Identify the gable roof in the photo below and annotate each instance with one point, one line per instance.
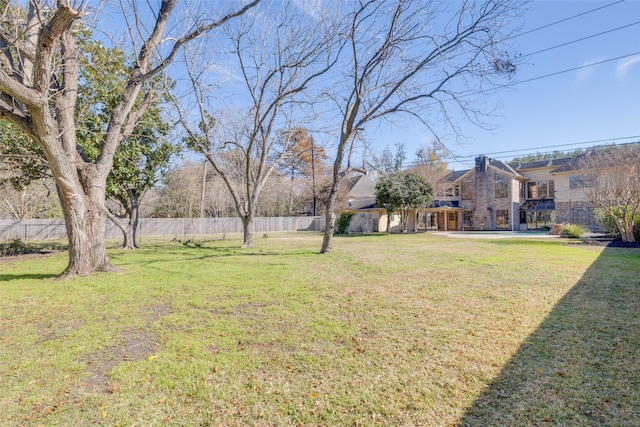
(454, 176)
(358, 204)
(360, 186)
(599, 156)
(544, 163)
(496, 164)
(499, 164)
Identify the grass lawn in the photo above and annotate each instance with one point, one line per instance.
(399, 330)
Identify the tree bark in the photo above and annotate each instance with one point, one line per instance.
(132, 226)
(329, 229)
(129, 227)
(330, 216)
(626, 230)
(85, 220)
(248, 230)
(404, 217)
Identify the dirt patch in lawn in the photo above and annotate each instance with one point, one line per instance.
(132, 345)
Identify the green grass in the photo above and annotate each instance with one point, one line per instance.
(386, 330)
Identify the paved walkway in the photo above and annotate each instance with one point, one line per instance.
(495, 234)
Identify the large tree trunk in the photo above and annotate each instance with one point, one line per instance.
(404, 217)
(626, 232)
(128, 224)
(330, 217)
(128, 231)
(130, 241)
(248, 230)
(82, 198)
(329, 229)
(85, 221)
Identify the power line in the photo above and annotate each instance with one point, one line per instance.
(581, 39)
(595, 141)
(468, 158)
(569, 18)
(575, 68)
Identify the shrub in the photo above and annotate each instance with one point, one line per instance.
(608, 224)
(14, 247)
(344, 221)
(573, 231)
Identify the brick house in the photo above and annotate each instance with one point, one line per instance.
(494, 195)
(497, 196)
(486, 197)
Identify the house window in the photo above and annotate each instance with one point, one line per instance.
(540, 189)
(467, 191)
(502, 219)
(582, 180)
(502, 186)
(582, 216)
(467, 220)
(539, 219)
(543, 189)
(452, 191)
(523, 190)
(430, 220)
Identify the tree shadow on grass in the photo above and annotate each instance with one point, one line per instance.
(581, 367)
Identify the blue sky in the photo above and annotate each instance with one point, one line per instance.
(587, 106)
(564, 111)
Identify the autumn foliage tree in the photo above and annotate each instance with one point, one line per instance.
(305, 159)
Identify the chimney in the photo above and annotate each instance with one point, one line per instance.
(482, 163)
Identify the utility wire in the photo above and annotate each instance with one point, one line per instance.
(573, 69)
(595, 141)
(581, 39)
(569, 18)
(468, 158)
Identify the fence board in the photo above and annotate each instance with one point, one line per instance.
(54, 229)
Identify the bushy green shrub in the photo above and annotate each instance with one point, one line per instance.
(573, 231)
(344, 221)
(14, 247)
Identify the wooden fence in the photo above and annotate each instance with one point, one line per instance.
(182, 228)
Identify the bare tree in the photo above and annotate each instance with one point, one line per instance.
(280, 51)
(39, 77)
(179, 195)
(615, 184)
(36, 200)
(430, 163)
(421, 59)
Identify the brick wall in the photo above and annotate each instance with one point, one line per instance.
(563, 210)
(485, 204)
